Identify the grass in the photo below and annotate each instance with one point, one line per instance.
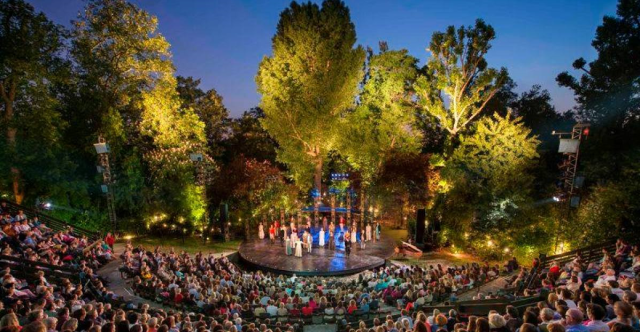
(191, 245)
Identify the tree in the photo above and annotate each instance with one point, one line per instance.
(308, 82)
(30, 64)
(246, 136)
(607, 94)
(456, 83)
(127, 92)
(209, 108)
(491, 170)
(498, 153)
(384, 121)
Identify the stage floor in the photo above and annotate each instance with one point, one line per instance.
(262, 255)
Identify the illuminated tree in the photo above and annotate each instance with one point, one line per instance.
(383, 122)
(457, 84)
(128, 93)
(208, 106)
(308, 82)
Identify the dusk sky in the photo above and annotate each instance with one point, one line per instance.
(223, 41)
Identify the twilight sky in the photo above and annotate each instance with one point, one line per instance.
(223, 41)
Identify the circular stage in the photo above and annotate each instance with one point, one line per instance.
(262, 255)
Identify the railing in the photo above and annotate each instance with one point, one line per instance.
(589, 254)
(51, 222)
(27, 269)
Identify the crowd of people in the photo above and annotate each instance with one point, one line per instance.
(208, 292)
(214, 286)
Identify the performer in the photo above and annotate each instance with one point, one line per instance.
(272, 233)
(261, 231)
(354, 235)
(321, 238)
(369, 232)
(363, 242)
(288, 250)
(332, 239)
(378, 230)
(341, 225)
(324, 223)
(298, 247)
(282, 233)
(347, 243)
(304, 239)
(309, 242)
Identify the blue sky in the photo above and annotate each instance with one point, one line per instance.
(222, 41)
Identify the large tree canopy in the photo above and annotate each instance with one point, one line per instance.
(457, 84)
(310, 79)
(385, 117)
(30, 65)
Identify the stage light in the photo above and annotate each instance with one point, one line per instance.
(556, 199)
(490, 243)
(506, 250)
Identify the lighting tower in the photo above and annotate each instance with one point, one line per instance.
(102, 149)
(570, 148)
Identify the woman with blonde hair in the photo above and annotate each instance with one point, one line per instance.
(497, 323)
(9, 320)
(70, 325)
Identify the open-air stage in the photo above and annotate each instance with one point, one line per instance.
(262, 255)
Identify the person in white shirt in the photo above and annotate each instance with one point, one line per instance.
(596, 314)
(272, 309)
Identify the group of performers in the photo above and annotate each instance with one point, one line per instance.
(295, 243)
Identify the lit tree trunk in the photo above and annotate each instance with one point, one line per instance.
(363, 210)
(8, 97)
(317, 174)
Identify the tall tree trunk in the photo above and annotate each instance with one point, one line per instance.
(8, 98)
(363, 211)
(317, 174)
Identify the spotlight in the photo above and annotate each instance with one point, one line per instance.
(556, 199)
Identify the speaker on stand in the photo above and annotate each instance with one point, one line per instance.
(224, 221)
(421, 216)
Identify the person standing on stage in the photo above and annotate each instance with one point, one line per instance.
(354, 234)
(347, 243)
(332, 232)
(282, 232)
(288, 250)
(298, 245)
(378, 230)
(309, 242)
(321, 238)
(368, 232)
(363, 243)
(272, 233)
(261, 231)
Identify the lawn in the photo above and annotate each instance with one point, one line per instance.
(190, 245)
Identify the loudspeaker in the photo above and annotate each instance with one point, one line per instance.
(420, 226)
(436, 225)
(224, 215)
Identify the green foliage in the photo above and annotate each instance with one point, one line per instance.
(498, 153)
(310, 79)
(126, 80)
(384, 120)
(456, 84)
(31, 66)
